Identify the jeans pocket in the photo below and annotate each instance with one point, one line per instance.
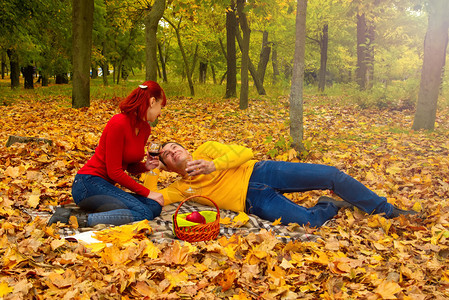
(79, 190)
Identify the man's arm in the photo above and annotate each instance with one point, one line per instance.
(170, 194)
(225, 156)
(212, 156)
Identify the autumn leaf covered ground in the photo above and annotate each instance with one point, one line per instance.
(357, 256)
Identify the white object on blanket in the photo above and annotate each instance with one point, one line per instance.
(83, 237)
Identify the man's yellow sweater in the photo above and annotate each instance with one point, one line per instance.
(227, 186)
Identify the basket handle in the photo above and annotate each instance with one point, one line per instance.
(189, 198)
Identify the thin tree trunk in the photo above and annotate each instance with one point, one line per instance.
(296, 93)
(365, 51)
(274, 63)
(245, 54)
(163, 60)
(94, 70)
(114, 73)
(252, 70)
(183, 53)
(105, 73)
(323, 64)
(202, 72)
(104, 65)
(214, 79)
(119, 72)
(264, 57)
(361, 52)
(435, 45)
(195, 59)
(231, 61)
(3, 64)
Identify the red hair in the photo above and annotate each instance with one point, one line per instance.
(138, 101)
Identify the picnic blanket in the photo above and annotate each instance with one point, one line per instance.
(163, 225)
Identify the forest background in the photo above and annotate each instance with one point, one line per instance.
(361, 126)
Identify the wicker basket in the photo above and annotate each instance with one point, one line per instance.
(200, 232)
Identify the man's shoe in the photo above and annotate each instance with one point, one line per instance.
(63, 214)
(397, 212)
(339, 204)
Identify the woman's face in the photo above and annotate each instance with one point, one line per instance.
(154, 110)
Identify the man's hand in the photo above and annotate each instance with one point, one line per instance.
(156, 197)
(200, 166)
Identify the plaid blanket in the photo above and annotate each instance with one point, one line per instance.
(163, 225)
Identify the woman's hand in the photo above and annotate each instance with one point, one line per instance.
(200, 166)
(156, 197)
(152, 162)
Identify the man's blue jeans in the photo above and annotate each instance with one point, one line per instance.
(110, 204)
(271, 179)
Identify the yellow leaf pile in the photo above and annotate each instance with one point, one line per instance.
(356, 257)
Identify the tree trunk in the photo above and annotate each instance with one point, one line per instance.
(323, 64)
(214, 79)
(264, 57)
(62, 78)
(119, 72)
(28, 73)
(3, 64)
(435, 45)
(195, 58)
(82, 19)
(296, 93)
(231, 61)
(183, 53)
(14, 68)
(245, 54)
(223, 77)
(12, 139)
(274, 63)
(361, 52)
(202, 72)
(94, 71)
(105, 73)
(151, 21)
(104, 65)
(163, 60)
(44, 79)
(114, 72)
(252, 70)
(365, 52)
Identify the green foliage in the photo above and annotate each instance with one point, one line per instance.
(399, 94)
(282, 145)
(40, 31)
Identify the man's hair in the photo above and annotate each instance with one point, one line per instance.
(162, 147)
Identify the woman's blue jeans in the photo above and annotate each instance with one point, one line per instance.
(271, 179)
(110, 204)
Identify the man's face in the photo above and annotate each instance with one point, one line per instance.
(175, 158)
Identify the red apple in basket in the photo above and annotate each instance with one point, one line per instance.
(196, 217)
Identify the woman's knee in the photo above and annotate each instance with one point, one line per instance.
(148, 212)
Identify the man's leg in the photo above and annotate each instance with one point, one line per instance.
(269, 204)
(287, 177)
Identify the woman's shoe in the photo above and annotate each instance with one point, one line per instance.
(63, 215)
